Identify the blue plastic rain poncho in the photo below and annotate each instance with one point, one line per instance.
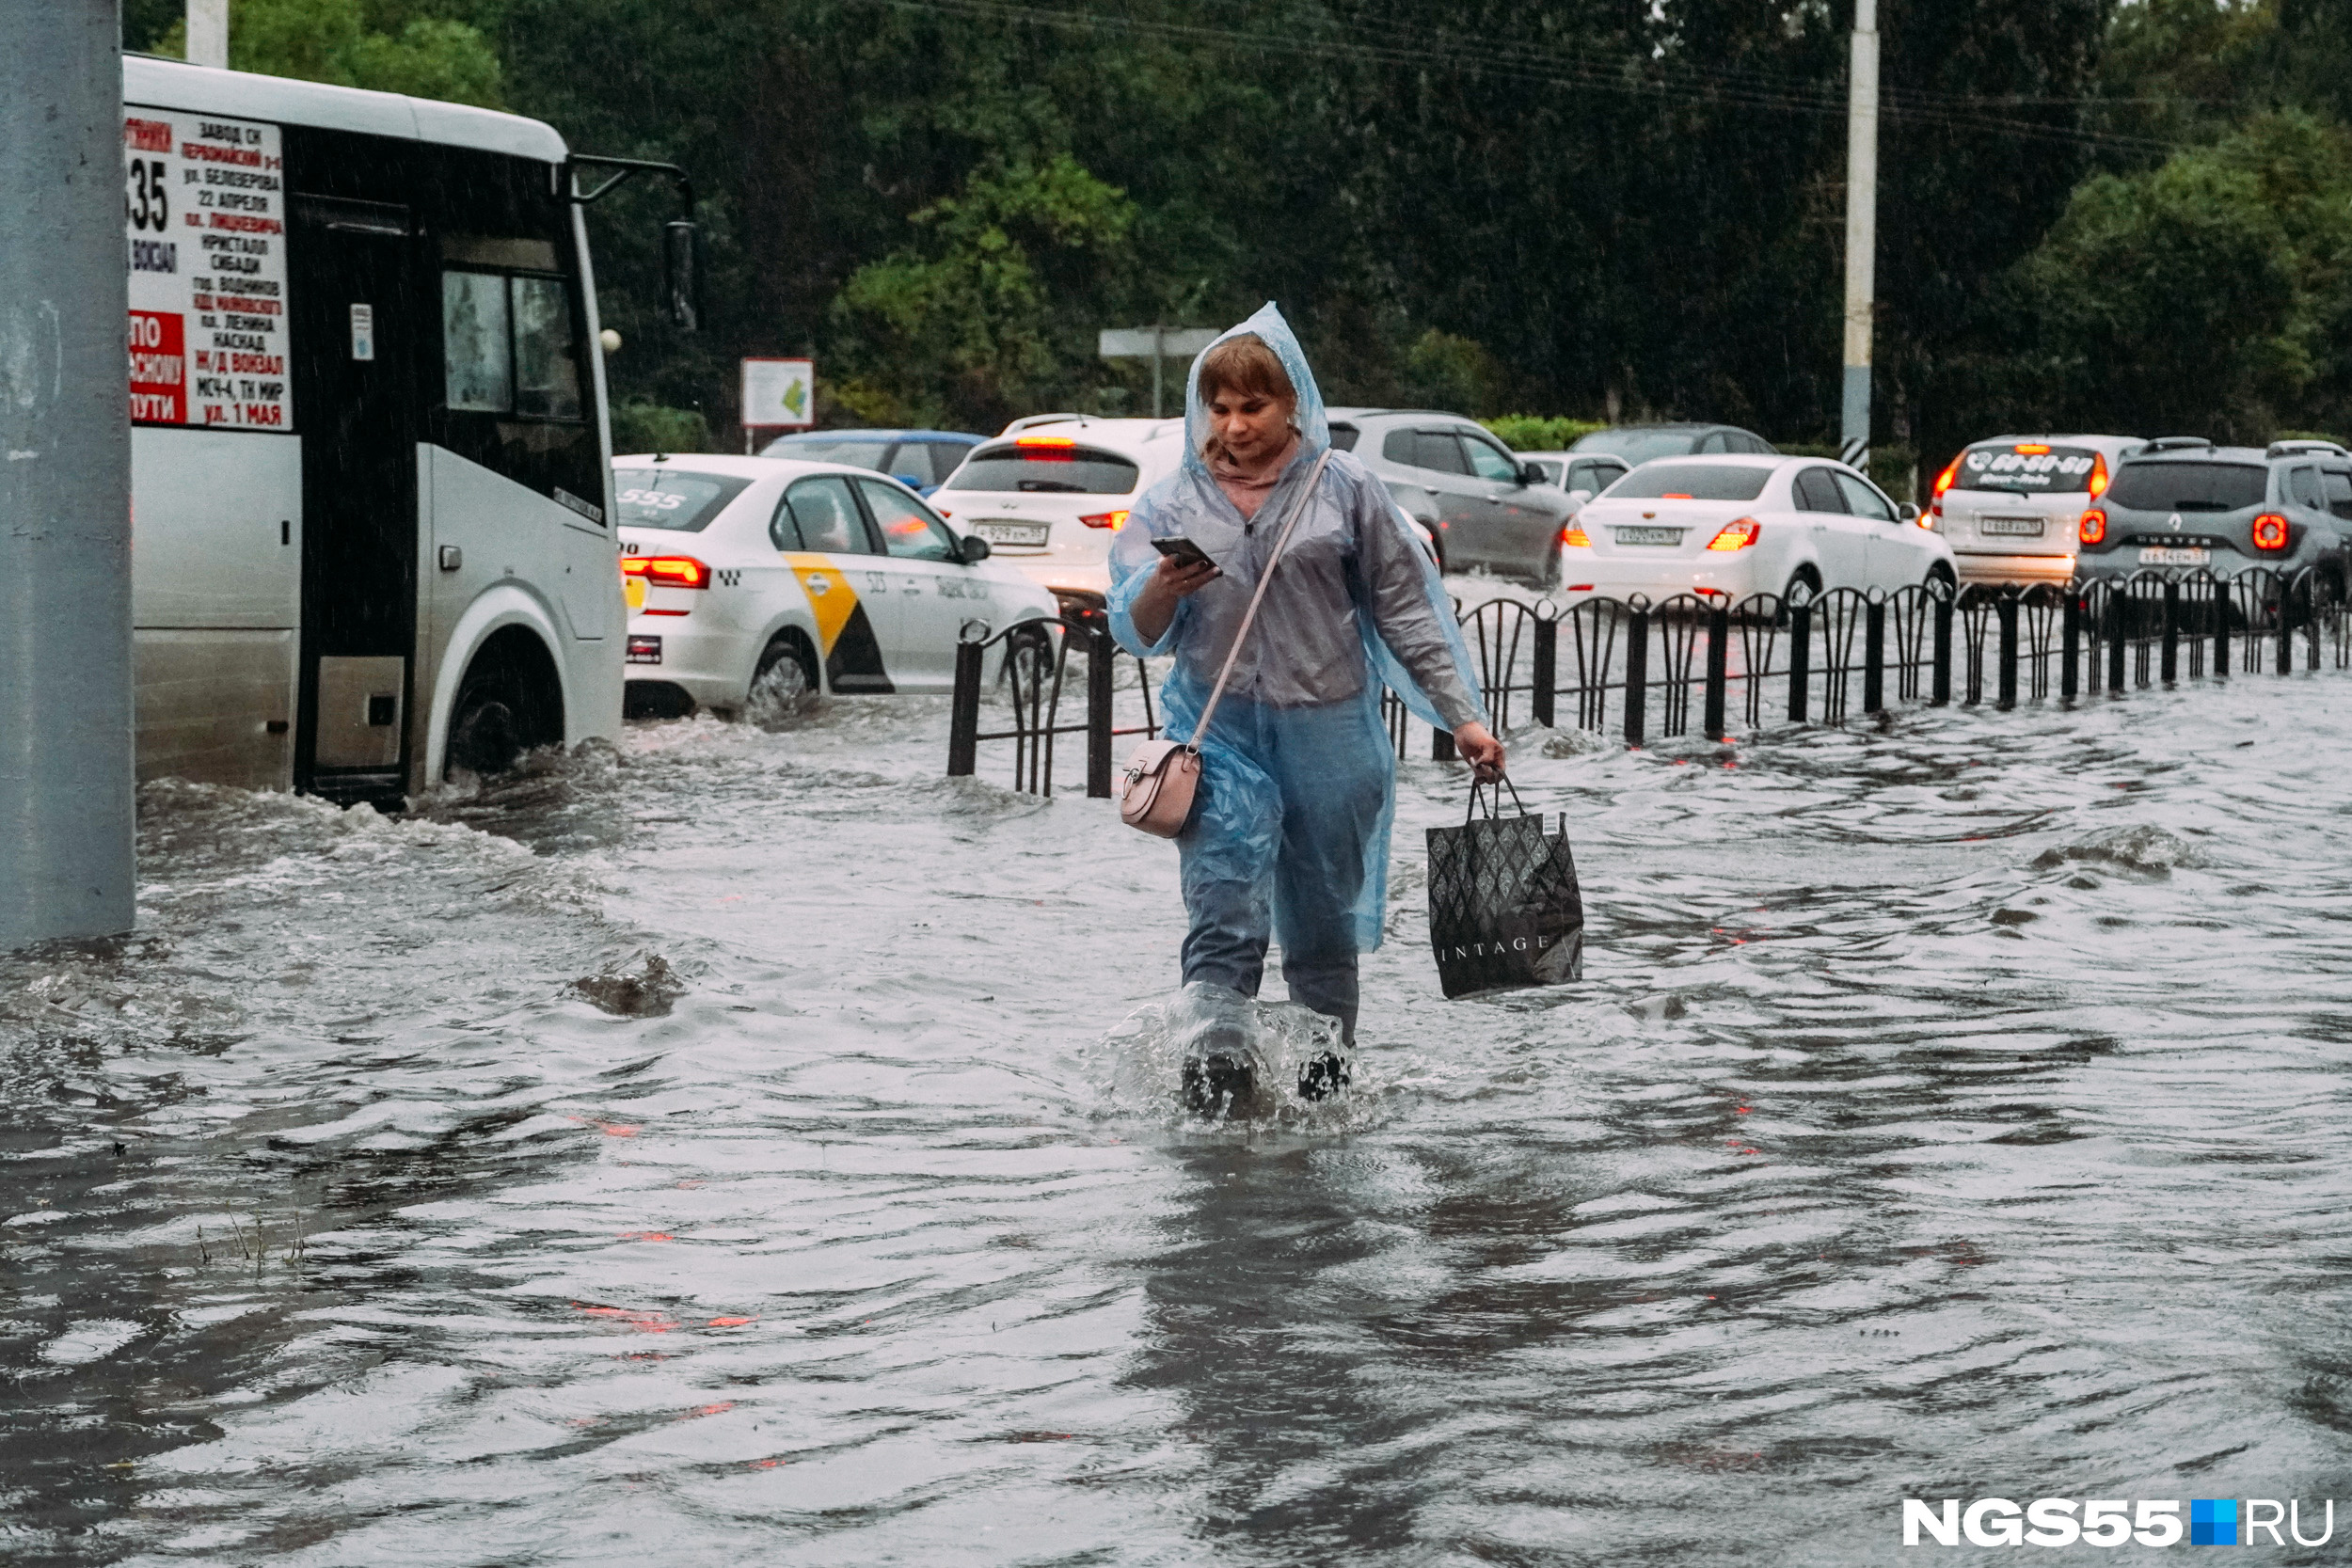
(1290, 837)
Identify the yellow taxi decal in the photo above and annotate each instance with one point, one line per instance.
(633, 590)
(829, 593)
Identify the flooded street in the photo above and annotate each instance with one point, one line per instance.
(1955, 1109)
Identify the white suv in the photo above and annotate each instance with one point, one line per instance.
(2008, 506)
(1052, 491)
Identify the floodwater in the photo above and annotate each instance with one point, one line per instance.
(1955, 1108)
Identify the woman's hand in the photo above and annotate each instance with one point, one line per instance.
(1478, 747)
(1172, 581)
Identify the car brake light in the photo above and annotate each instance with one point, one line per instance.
(1675, 496)
(2270, 532)
(1735, 535)
(1112, 520)
(2098, 475)
(667, 571)
(2030, 448)
(1047, 448)
(942, 512)
(2092, 530)
(1944, 482)
(1577, 536)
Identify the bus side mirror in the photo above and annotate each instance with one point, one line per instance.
(680, 277)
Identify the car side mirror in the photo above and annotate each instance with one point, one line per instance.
(1908, 511)
(1579, 497)
(1533, 473)
(974, 549)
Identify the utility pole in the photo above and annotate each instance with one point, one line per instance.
(1862, 222)
(67, 811)
(208, 33)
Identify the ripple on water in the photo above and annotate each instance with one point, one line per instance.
(1949, 1100)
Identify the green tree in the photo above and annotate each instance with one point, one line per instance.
(974, 323)
(331, 40)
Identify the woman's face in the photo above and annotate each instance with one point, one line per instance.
(1251, 426)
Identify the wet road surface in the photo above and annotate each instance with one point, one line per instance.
(1955, 1109)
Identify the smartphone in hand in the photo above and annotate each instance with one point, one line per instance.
(1183, 552)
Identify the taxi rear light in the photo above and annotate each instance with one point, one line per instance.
(666, 571)
(1735, 535)
(2098, 474)
(2270, 532)
(2030, 448)
(2092, 530)
(1112, 520)
(1577, 536)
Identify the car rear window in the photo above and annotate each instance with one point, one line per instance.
(2188, 486)
(863, 452)
(1053, 467)
(1697, 481)
(2027, 468)
(1639, 445)
(664, 498)
(1344, 436)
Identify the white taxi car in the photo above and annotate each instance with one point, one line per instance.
(753, 581)
(2008, 506)
(1741, 524)
(1053, 490)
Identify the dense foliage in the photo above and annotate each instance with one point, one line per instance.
(2126, 216)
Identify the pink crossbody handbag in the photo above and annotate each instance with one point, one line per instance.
(1163, 776)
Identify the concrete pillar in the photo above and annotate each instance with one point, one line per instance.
(66, 771)
(1862, 219)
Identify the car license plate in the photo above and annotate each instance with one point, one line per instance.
(1012, 533)
(2174, 556)
(2024, 528)
(1649, 535)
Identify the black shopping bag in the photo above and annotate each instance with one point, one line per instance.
(1503, 907)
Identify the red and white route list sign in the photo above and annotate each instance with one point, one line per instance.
(205, 217)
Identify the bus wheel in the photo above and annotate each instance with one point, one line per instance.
(509, 702)
(784, 687)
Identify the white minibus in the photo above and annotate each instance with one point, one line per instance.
(372, 520)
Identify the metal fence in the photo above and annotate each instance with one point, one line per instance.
(1032, 666)
(1638, 669)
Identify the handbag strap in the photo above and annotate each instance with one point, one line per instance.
(1298, 510)
(1494, 801)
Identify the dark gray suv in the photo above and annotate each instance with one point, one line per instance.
(1481, 503)
(2184, 502)
(1638, 443)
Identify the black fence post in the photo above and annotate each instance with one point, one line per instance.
(1718, 666)
(964, 721)
(2170, 662)
(1874, 656)
(1941, 692)
(2005, 610)
(1441, 745)
(2119, 605)
(1800, 659)
(1547, 670)
(2220, 627)
(2286, 639)
(1636, 675)
(2070, 643)
(1102, 660)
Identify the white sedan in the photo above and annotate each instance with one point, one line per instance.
(1740, 524)
(754, 581)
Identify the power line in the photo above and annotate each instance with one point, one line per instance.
(1667, 82)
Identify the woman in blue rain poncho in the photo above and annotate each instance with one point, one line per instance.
(1289, 836)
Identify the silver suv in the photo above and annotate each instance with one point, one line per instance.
(2008, 506)
(1483, 504)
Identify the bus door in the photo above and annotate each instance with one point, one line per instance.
(355, 346)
